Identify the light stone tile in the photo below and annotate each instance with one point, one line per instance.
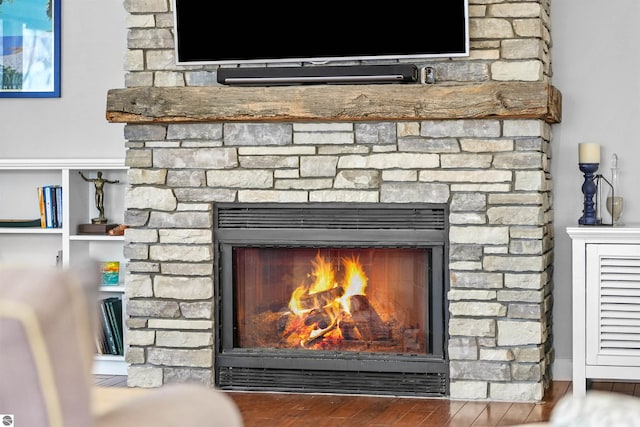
(464, 390)
(183, 288)
(144, 376)
(180, 339)
(499, 354)
(323, 127)
(518, 333)
(178, 324)
(518, 392)
(177, 357)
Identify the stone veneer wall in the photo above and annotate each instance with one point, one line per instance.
(493, 173)
(510, 41)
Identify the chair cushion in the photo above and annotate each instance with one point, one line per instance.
(46, 329)
(174, 405)
(597, 409)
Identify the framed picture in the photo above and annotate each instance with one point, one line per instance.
(30, 48)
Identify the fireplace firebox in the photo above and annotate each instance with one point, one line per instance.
(331, 297)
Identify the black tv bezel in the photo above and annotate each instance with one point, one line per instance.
(437, 42)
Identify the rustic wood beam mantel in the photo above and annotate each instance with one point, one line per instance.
(329, 103)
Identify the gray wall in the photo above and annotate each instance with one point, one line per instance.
(595, 65)
(94, 37)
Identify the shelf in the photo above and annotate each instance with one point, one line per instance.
(112, 288)
(96, 237)
(308, 103)
(19, 181)
(29, 230)
(59, 164)
(109, 365)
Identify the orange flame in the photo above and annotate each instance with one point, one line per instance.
(294, 302)
(311, 296)
(355, 281)
(324, 275)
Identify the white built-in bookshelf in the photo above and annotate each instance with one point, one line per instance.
(19, 180)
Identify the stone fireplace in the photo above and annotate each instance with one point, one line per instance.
(477, 142)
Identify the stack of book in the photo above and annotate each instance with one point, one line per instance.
(50, 201)
(109, 338)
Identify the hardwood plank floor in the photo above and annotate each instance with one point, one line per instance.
(289, 409)
(110, 380)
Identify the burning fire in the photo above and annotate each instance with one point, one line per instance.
(321, 308)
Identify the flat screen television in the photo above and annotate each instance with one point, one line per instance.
(237, 32)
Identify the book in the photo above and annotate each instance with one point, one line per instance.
(48, 206)
(12, 223)
(110, 272)
(101, 341)
(43, 218)
(106, 327)
(117, 309)
(114, 310)
(58, 193)
(54, 209)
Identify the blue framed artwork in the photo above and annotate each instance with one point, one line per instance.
(30, 48)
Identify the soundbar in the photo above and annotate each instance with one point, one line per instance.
(340, 74)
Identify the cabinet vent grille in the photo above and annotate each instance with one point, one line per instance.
(620, 305)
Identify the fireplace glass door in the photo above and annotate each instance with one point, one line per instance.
(334, 299)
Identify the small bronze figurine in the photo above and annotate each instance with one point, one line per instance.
(99, 183)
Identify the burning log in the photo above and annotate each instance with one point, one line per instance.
(349, 330)
(320, 299)
(309, 326)
(281, 323)
(367, 320)
(318, 333)
(318, 318)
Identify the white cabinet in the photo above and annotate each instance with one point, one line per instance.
(606, 304)
(19, 180)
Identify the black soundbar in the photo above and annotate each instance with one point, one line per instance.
(344, 74)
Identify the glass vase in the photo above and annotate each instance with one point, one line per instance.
(615, 201)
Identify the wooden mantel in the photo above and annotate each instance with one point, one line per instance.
(330, 103)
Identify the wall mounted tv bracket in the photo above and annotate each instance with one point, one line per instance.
(364, 74)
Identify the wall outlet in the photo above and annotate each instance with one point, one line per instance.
(427, 75)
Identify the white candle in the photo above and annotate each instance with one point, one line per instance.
(588, 152)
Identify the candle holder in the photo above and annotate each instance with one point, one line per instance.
(589, 188)
(612, 195)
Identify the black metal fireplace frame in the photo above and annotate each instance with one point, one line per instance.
(342, 225)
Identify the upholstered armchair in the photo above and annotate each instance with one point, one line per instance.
(47, 324)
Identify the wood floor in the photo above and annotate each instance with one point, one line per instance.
(294, 410)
